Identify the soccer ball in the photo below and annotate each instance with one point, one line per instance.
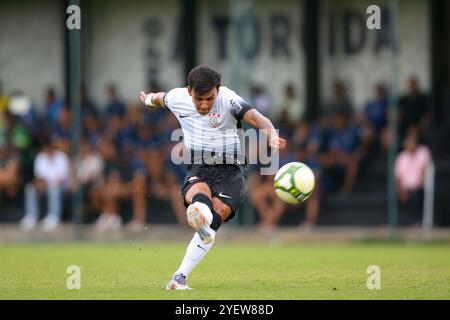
(294, 182)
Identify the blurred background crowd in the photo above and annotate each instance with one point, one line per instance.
(124, 155)
(356, 105)
(125, 151)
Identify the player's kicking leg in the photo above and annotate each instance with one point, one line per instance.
(205, 221)
(199, 217)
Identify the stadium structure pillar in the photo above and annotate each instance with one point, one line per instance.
(312, 58)
(393, 118)
(241, 68)
(440, 62)
(189, 27)
(73, 89)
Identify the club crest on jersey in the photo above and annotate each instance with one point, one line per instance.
(214, 119)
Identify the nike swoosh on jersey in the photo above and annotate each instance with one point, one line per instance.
(183, 116)
(224, 195)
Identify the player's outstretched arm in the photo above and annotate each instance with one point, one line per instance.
(153, 99)
(256, 119)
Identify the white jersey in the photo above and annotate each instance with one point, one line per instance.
(213, 134)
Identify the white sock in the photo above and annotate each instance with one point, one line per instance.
(195, 252)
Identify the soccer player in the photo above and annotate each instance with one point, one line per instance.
(216, 182)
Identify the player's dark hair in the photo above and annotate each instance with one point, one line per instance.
(202, 79)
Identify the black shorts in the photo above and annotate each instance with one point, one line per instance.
(228, 183)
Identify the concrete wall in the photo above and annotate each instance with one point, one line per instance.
(131, 42)
(367, 58)
(266, 49)
(32, 47)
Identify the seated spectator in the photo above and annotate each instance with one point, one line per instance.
(114, 106)
(4, 99)
(340, 102)
(262, 193)
(308, 144)
(112, 189)
(165, 180)
(375, 117)
(133, 119)
(137, 190)
(143, 144)
(263, 197)
(116, 131)
(61, 131)
(155, 149)
(18, 133)
(260, 99)
(22, 109)
(92, 129)
(52, 174)
(88, 175)
(290, 111)
(10, 178)
(53, 106)
(86, 104)
(112, 192)
(376, 110)
(410, 170)
(4, 102)
(124, 179)
(346, 150)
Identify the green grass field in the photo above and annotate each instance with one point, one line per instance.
(141, 271)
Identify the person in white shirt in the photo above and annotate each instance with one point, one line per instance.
(51, 175)
(88, 176)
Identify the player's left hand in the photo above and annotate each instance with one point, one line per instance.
(277, 143)
(143, 95)
(282, 143)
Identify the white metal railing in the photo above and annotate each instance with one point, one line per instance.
(428, 202)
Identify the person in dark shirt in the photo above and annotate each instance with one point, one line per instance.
(87, 106)
(115, 106)
(374, 119)
(413, 109)
(376, 109)
(346, 150)
(340, 102)
(53, 106)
